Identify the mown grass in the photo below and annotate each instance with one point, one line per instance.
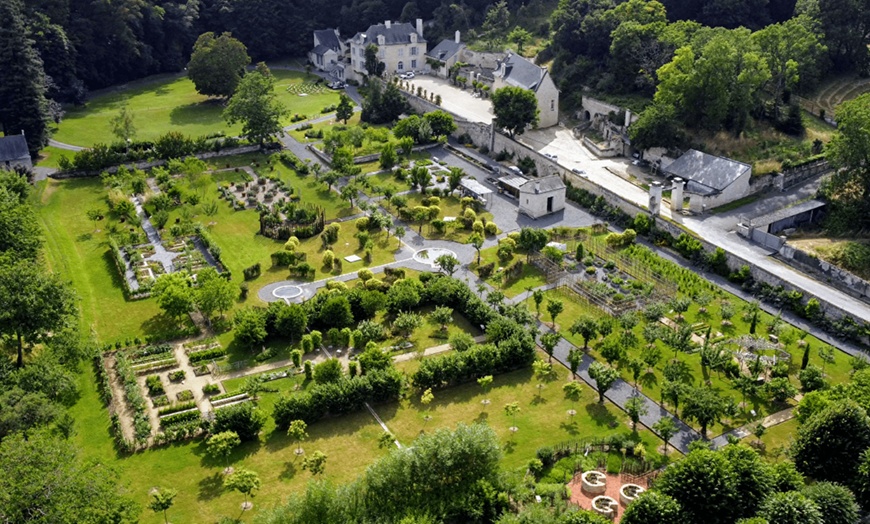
(170, 103)
(650, 383)
(78, 249)
(529, 277)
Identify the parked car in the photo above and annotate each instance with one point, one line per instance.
(515, 170)
(407, 76)
(554, 158)
(580, 172)
(337, 85)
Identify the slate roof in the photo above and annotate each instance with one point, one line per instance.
(398, 33)
(523, 73)
(543, 185)
(321, 49)
(445, 50)
(13, 148)
(706, 174)
(780, 214)
(328, 38)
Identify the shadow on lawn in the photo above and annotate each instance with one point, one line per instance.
(211, 487)
(203, 113)
(601, 415)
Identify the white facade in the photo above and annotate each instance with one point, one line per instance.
(517, 71)
(401, 47)
(735, 191)
(542, 196)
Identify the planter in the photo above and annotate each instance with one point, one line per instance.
(594, 482)
(604, 506)
(628, 493)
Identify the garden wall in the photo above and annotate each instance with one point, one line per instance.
(154, 163)
(825, 271)
(759, 274)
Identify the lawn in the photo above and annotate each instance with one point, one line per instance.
(450, 207)
(350, 442)
(299, 134)
(650, 383)
(543, 419)
(170, 103)
(378, 182)
(80, 252)
(776, 440)
(530, 277)
(50, 156)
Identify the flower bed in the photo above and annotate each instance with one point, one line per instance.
(149, 367)
(185, 395)
(594, 482)
(628, 493)
(133, 395)
(604, 506)
(180, 418)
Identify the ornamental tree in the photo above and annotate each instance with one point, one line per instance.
(515, 109)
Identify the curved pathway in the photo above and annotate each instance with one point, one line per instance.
(68, 147)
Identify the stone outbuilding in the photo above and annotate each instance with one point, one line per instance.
(542, 196)
(14, 152)
(711, 181)
(445, 55)
(328, 53)
(517, 71)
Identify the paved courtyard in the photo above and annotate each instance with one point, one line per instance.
(457, 101)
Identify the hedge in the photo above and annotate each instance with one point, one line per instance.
(338, 398)
(180, 418)
(208, 354)
(479, 361)
(175, 408)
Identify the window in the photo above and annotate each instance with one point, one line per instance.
(401, 52)
(552, 105)
(381, 53)
(413, 64)
(401, 66)
(413, 51)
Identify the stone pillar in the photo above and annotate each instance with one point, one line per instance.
(492, 136)
(627, 118)
(677, 195)
(655, 198)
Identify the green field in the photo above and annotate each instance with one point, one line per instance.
(170, 103)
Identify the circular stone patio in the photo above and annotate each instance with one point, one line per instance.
(288, 291)
(430, 254)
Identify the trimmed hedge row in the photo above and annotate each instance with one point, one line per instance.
(208, 354)
(180, 418)
(338, 398)
(481, 360)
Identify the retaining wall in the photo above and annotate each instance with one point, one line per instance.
(826, 272)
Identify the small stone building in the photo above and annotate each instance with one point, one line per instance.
(711, 181)
(328, 53)
(542, 196)
(446, 54)
(401, 47)
(517, 71)
(14, 152)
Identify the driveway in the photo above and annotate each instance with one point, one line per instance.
(455, 100)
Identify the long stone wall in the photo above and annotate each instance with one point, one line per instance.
(833, 275)
(759, 274)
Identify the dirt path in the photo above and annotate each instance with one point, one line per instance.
(119, 401)
(434, 350)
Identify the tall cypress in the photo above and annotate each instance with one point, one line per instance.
(23, 105)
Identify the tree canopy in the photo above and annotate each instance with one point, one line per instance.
(217, 64)
(515, 109)
(256, 106)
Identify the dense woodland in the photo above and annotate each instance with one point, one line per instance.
(55, 51)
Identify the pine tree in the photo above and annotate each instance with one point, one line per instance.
(23, 106)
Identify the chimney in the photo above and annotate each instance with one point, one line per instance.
(420, 26)
(382, 40)
(537, 187)
(457, 37)
(388, 24)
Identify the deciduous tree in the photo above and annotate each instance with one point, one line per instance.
(256, 106)
(604, 377)
(515, 109)
(217, 64)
